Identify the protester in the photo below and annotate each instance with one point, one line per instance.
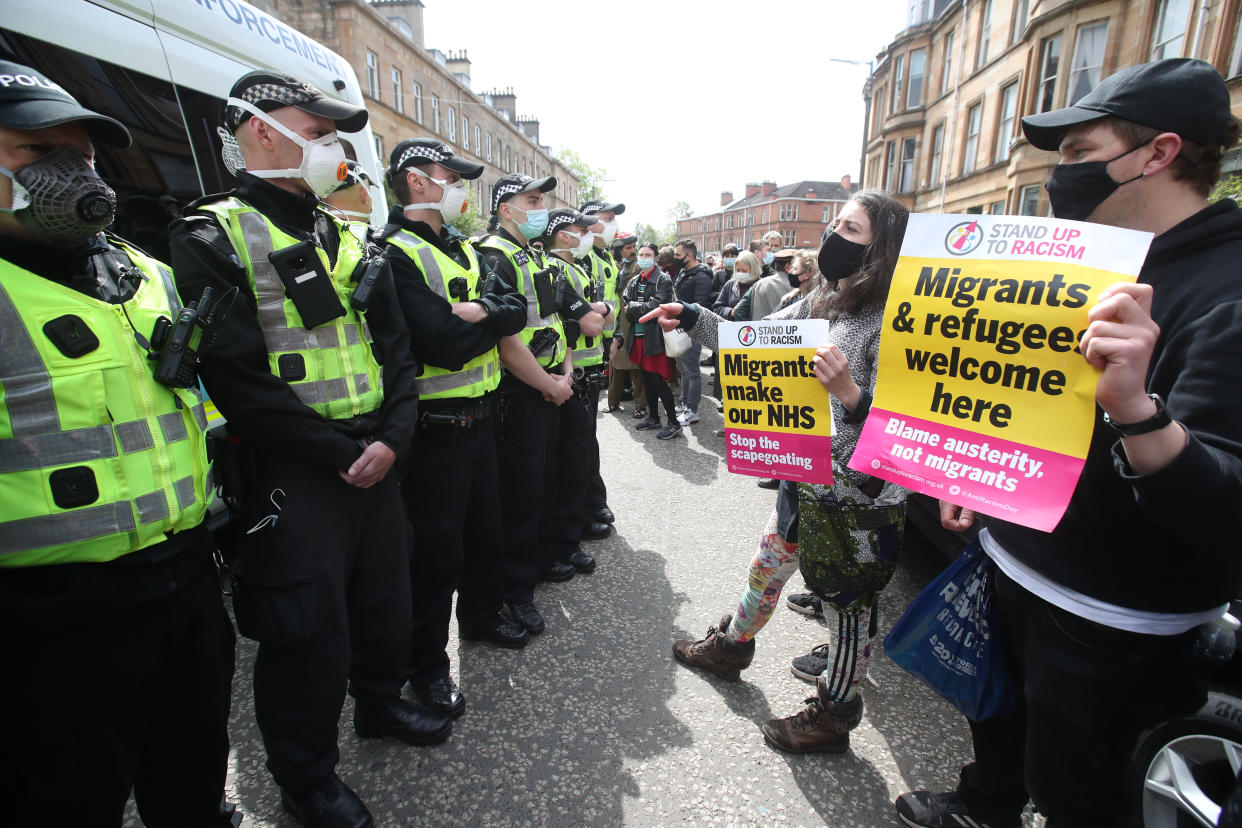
(861, 253)
(728, 257)
(745, 273)
(693, 284)
(766, 294)
(650, 288)
(1109, 604)
(622, 371)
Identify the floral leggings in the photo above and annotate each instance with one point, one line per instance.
(774, 561)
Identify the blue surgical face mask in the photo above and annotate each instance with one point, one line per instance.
(730, 261)
(536, 222)
(645, 264)
(768, 258)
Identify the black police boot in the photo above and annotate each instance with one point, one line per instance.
(556, 572)
(326, 803)
(500, 632)
(402, 720)
(605, 515)
(527, 615)
(582, 562)
(442, 695)
(596, 531)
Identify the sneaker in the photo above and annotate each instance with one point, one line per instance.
(812, 665)
(923, 809)
(670, 431)
(688, 417)
(820, 727)
(647, 425)
(769, 483)
(807, 603)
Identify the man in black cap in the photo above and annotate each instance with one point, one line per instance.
(118, 651)
(456, 316)
(603, 272)
(568, 238)
(317, 383)
(538, 376)
(1102, 615)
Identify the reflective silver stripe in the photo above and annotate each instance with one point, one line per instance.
(173, 427)
(351, 335)
(134, 436)
(170, 289)
(184, 489)
(431, 269)
(587, 353)
(66, 527)
(81, 445)
(27, 387)
(449, 382)
(324, 391)
(200, 416)
(151, 507)
(366, 332)
(300, 339)
(362, 383)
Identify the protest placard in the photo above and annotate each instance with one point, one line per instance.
(778, 422)
(983, 397)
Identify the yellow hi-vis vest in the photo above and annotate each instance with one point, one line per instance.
(587, 350)
(526, 276)
(97, 459)
(482, 373)
(342, 378)
(602, 271)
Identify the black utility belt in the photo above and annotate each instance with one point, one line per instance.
(555, 370)
(592, 375)
(455, 417)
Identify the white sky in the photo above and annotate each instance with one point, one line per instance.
(700, 83)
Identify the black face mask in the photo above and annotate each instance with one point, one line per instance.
(795, 280)
(681, 261)
(1075, 190)
(839, 257)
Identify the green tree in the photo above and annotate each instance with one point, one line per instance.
(470, 222)
(1229, 186)
(589, 178)
(648, 234)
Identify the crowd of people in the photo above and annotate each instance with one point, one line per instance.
(405, 405)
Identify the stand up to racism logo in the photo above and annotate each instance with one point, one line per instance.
(963, 238)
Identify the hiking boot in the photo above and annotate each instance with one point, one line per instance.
(812, 665)
(820, 727)
(923, 809)
(807, 603)
(716, 652)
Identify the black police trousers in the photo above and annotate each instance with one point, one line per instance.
(117, 678)
(322, 583)
(452, 498)
(524, 431)
(567, 476)
(597, 492)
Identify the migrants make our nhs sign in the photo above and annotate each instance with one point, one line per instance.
(778, 420)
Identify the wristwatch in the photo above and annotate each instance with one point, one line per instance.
(1155, 422)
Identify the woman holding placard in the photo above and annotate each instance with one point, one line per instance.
(850, 531)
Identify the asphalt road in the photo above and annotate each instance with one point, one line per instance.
(594, 723)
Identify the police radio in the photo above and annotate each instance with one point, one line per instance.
(175, 344)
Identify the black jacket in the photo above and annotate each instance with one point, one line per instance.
(437, 336)
(1168, 541)
(261, 407)
(730, 294)
(659, 290)
(694, 285)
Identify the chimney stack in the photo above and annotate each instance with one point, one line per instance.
(845, 183)
(726, 197)
(769, 187)
(752, 190)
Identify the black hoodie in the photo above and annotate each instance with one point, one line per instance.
(1168, 541)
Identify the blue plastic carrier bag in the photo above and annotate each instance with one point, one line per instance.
(946, 639)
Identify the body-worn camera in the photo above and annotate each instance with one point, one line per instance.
(367, 275)
(459, 288)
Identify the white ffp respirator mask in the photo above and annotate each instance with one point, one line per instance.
(452, 202)
(323, 165)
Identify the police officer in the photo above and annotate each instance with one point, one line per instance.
(537, 378)
(117, 648)
(351, 200)
(568, 236)
(322, 577)
(603, 272)
(450, 484)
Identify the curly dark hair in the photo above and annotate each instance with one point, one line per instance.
(1197, 164)
(869, 285)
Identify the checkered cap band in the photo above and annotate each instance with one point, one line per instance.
(508, 187)
(291, 93)
(557, 220)
(420, 152)
(593, 206)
